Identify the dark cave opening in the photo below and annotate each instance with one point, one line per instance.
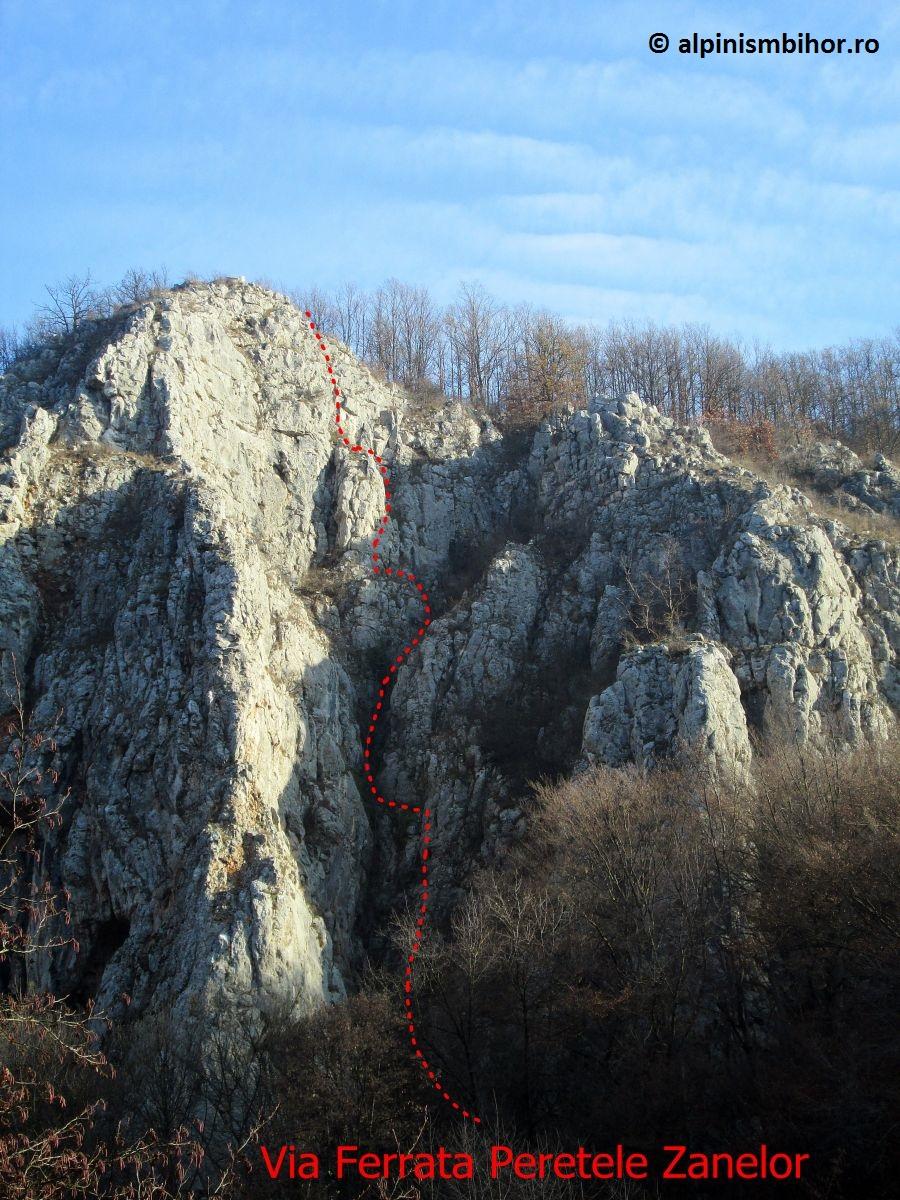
(104, 939)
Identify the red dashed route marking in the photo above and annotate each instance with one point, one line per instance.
(386, 681)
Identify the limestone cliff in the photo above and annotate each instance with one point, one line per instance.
(185, 592)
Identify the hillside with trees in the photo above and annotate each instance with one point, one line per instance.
(650, 713)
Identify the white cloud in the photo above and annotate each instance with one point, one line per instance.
(548, 153)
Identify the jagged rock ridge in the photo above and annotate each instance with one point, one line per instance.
(184, 589)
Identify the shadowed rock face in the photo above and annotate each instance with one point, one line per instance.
(185, 593)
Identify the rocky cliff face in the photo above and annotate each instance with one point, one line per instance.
(185, 592)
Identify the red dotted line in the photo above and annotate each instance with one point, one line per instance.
(385, 683)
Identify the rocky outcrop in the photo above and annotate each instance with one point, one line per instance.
(834, 469)
(185, 592)
(785, 597)
(668, 698)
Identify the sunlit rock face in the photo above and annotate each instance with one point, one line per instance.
(187, 601)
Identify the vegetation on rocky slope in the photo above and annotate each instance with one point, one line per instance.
(694, 936)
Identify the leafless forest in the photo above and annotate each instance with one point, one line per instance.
(518, 362)
(523, 359)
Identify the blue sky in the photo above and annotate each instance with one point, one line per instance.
(541, 149)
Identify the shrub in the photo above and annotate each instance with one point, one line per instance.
(720, 956)
(657, 595)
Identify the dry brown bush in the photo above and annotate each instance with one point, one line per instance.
(675, 955)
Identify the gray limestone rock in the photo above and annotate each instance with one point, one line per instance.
(669, 699)
(186, 595)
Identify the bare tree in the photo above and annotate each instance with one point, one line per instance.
(320, 304)
(10, 346)
(351, 310)
(656, 593)
(71, 303)
(551, 365)
(475, 335)
(137, 285)
(404, 334)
